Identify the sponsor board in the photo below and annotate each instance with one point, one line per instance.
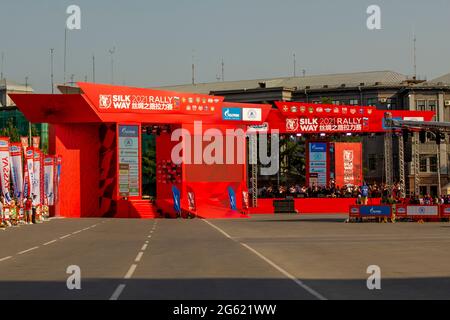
(234, 114)
(252, 114)
(375, 211)
(422, 210)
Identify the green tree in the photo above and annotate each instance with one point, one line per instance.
(11, 131)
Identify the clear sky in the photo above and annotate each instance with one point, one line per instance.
(155, 39)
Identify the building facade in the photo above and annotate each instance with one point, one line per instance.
(9, 111)
(384, 89)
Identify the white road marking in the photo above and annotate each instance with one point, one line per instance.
(130, 271)
(273, 264)
(75, 232)
(144, 247)
(5, 258)
(117, 292)
(28, 250)
(287, 274)
(66, 236)
(50, 242)
(139, 257)
(149, 236)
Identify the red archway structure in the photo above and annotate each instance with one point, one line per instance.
(98, 132)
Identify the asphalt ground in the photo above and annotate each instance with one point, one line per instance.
(287, 257)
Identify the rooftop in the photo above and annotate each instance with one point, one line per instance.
(370, 78)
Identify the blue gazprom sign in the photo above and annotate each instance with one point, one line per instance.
(375, 211)
(232, 114)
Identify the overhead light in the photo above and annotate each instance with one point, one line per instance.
(349, 134)
(299, 135)
(323, 135)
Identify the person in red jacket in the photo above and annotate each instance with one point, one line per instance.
(29, 210)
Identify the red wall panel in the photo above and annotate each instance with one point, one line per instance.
(79, 190)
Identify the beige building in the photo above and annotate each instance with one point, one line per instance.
(383, 89)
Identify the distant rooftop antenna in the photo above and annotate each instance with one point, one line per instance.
(193, 67)
(93, 68)
(295, 66)
(414, 55)
(223, 70)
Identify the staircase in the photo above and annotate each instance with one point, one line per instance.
(143, 209)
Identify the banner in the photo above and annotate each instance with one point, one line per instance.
(36, 177)
(58, 163)
(348, 164)
(5, 168)
(49, 165)
(24, 142)
(245, 200)
(317, 164)
(29, 176)
(232, 196)
(15, 150)
(191, 200)
(36, 142)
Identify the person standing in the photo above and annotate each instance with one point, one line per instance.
(364, 194)
(28, 210)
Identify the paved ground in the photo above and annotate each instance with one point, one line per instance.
(265, 257)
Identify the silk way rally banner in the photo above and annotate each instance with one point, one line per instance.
(57, 175)
(49, 169)
(15, 150)
(5, 167)
(29, 175)
(36, 177)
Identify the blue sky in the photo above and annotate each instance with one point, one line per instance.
(154, 40)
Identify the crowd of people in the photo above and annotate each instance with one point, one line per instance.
(332, 191)
(14, 213)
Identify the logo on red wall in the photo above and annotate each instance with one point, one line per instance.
(105, 101)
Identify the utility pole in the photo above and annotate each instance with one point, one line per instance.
(93, 68)
(65, 53)
(414, 56)
(111, 52)
(223, 71)
(51, 70)
(295, 66)
(2, 66)
(193, 68)
(30, 139)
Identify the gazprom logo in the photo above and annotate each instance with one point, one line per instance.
(232, 114)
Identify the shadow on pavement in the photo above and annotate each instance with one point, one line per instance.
(227, 289)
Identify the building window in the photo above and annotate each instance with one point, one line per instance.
(433, 163)
(421, 105)
(423, 163)
(433, 191)
(432, 106)
(336, 102)
(428, 163)
(354, 102)
(372, 162)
